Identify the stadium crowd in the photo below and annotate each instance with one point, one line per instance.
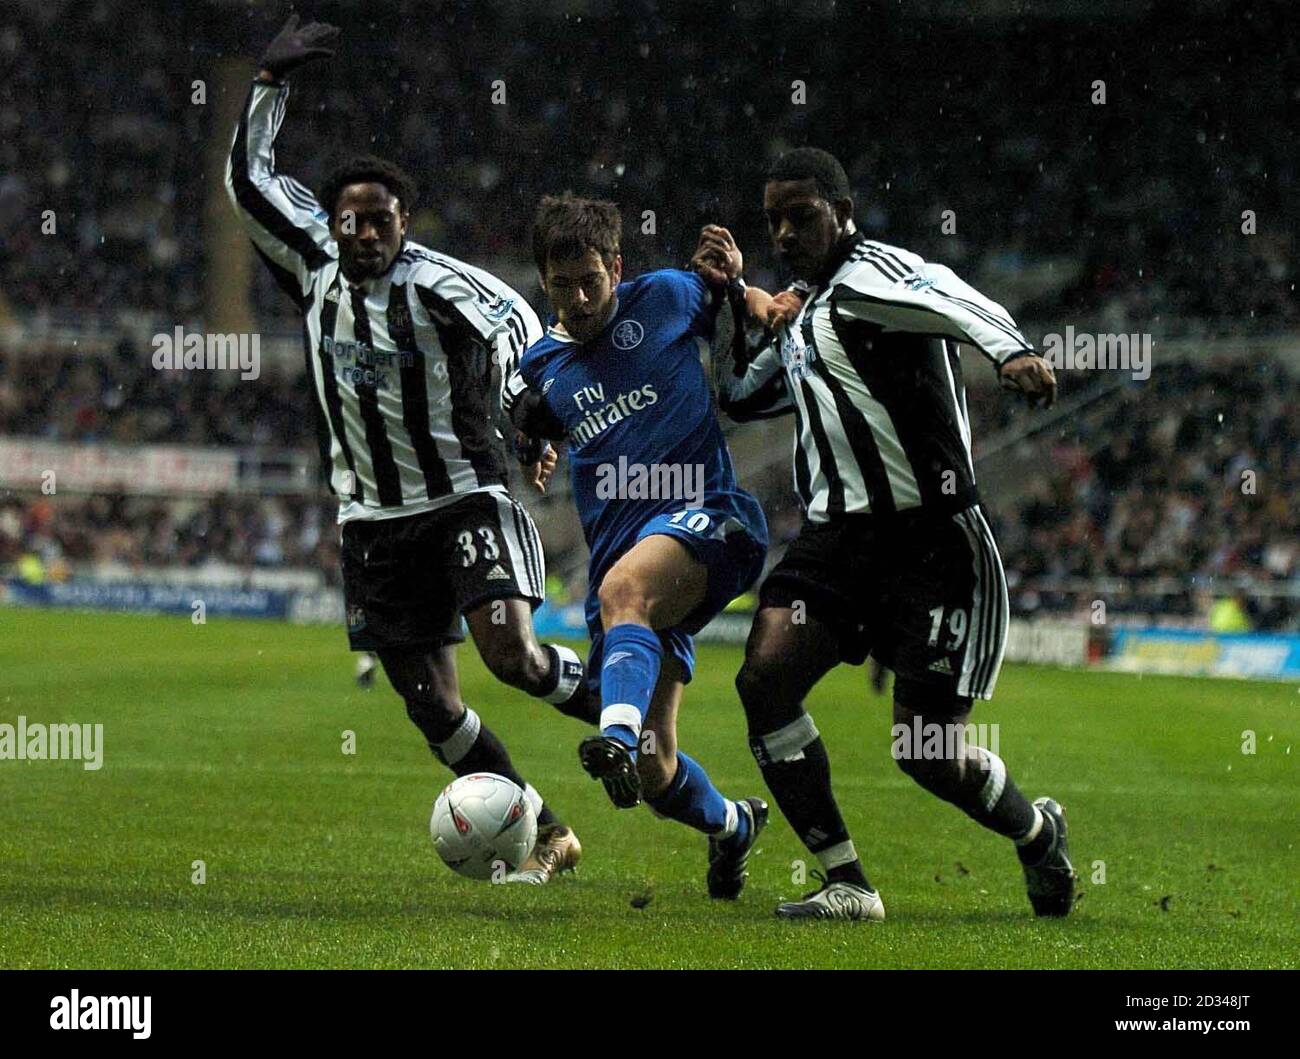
(128, 533)
(1188, 480)
(1192, 478)
(1138, 222)
(1170, 225)
(53, 392)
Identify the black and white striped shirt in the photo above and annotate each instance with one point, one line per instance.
(400, 365)
(871, 370)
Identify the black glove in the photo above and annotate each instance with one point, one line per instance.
(528, 450)
(297, 45)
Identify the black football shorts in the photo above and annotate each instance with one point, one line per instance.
(925, 594)
(408, 580)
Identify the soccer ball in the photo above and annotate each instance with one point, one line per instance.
(482, 825)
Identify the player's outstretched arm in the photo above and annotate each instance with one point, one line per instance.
(281, 216)
(773, 310)
(1031, 376)
(931, 299)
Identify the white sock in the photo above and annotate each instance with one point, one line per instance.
(1032, 833)
(840, 853)
(732, 822)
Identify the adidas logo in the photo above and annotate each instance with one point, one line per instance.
(941, 666)
(497, 574)
(616, 657)
(333, 295)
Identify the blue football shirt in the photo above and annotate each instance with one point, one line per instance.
(637, 396)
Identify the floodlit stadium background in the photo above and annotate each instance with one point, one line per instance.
(1146, 523)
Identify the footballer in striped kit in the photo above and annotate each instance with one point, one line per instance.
(895, 557)
(400, 342)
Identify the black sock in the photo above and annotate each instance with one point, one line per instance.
(797, 771)
(849, 873)
(566, 686)
(582, 705)
(474, 747)
(988, 795)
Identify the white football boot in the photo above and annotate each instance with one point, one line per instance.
(835, 900)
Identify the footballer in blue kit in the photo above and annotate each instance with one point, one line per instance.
(673, 538)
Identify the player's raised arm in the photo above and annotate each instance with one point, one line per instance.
(748, 387)
(281, 215)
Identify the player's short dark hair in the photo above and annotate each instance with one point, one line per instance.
(367, 169)
(567, 226)
(812, 163)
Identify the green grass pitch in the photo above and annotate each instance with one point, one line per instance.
(223, 743)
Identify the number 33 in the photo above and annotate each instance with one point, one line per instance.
(469, 553)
